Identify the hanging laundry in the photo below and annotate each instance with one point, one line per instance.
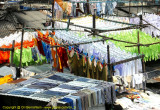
(73, 13)
(69, 8)
(26, 58)
(5, 55)
(34, 54)
(62, 54)
(93, 7)
(59, 14)
(100, 23)
(154, 20)
(131, 36)
(73, 63)
(95, 58)
(99, 9)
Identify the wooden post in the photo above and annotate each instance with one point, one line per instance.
(68, 23)
(127, 60)
(53, 14)
(140, 22)
(137, 8)
(21, 47)
(109, 77)
(109, 65)
(87, 7)
(143, 64)
(117, 8)
(20, 63)
(142, 7)
(129, 8)
(94, 22)
(143, 70)
(12, 52)
(138, 42)
(108, 54)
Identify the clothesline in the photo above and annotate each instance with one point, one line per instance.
(100, 30)
(6, 49)
(141, 19)
(65, 45)
(118, 22)
(125, 28)
(118, 16)
(137, 6)
(151, 24)
(41, 28)
(127, 60)
(101, 1)
(152, 27)
(115, 39)
(131, 27)
(75, 25)
(107, 38)
(144, 44)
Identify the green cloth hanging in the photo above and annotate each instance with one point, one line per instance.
(27, 59)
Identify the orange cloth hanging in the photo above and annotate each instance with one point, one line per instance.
(35, 42)
(44, 37)
(53, 51)
(59, 51)
(53, 33)
(51, 41)
(5, 55)
(47, 34)
(40, 34)
(26, 44)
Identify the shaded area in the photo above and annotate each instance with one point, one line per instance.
(154, 87)
(153, 68)
(19, 101)
(153, 82)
